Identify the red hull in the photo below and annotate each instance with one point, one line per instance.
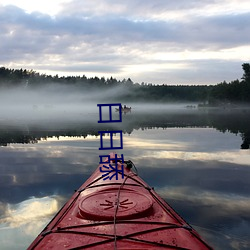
(117, 214)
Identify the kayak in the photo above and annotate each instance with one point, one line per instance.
(116, 209)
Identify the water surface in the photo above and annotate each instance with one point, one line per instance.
(193, 158)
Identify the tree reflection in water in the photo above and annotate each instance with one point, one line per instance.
(233, 121)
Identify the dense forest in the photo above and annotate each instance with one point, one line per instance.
(234, 92)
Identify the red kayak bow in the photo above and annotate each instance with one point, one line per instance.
(117, 214)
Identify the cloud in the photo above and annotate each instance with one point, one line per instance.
(115, 38)
(147, 9)
(117, 30)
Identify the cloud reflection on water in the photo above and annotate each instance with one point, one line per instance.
(234, 156)
(208, 184)
(29, 210)
(22, 222)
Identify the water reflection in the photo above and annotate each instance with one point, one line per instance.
(20, 222)
(29, 210)
(233, 121)
(195, 166)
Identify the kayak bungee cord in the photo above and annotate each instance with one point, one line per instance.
(118, 198)
(124, 213)
(115, 222)
(116, 237)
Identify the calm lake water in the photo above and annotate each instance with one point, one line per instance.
(197, 160)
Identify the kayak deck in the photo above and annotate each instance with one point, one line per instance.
(117, 214)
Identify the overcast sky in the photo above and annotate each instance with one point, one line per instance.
(154, 41)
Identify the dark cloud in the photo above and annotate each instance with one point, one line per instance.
(224, 30)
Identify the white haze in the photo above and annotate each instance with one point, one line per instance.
(63, 103)
(55, 102)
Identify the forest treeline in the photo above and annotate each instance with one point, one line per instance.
(236, 91)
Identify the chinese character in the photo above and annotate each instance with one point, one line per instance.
(110, 160)
(111, 139)
(110, 112)
(112, 168)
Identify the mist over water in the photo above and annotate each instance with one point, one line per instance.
(61, 102)
(59, 107)
(191, 156)
(45, 103)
